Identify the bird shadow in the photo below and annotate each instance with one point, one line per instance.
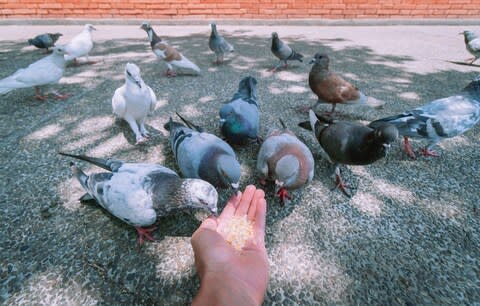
(464, 63)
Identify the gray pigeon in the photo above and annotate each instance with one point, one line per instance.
(439, 119)
(283, 158)
(240, 117)
(349, 143)
(203, 155)
(139, 193)
(283, 52)
(44, 41)
(472, 43)
(218, 44)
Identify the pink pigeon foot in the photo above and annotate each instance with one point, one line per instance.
(427, 152)
(145, 232)
(408, 148)
(171, 73)
(283, 195)
(340, 184)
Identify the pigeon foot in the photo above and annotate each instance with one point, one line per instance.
(408, 148)
(427, 152)
(340, 184)
(145, 232)
(141, 140)
(171, 73)
(283, 195)
(61, 96)
(40, 97)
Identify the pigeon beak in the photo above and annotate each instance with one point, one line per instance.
(222, 120)
(278, 185)
(94, 28)
(235, 187)
(311, 61)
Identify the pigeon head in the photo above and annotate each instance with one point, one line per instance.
(228, 170)
(286, 170)
(145, 26)
(59, 50)
(248, 87)
(214, 26)
(89, 27)
(274, 35)
(132, 73)
(469, 35)
(321, 59)
(386, 134)
(55, 36)
(201, 194)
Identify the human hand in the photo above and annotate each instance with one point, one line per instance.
(227, 275)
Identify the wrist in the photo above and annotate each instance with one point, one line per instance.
(232, 291)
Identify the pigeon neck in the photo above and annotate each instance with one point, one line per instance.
(275, 43)
(58, 59)
(153, 37)
(214, 32)
(320, 70)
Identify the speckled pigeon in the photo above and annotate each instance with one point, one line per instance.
(48, 70)
(239, 118)
(134, 101)
(283, 52)
(203, 155)
(472, 43)
(139, 193)
(218, 44)
(349, 143)
(80, 45)
(332, 88)
(44, 41)
(439, 119)
(168, 53)
(286, 160)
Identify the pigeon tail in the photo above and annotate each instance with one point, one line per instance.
(186, 64)
(296, 56)
(100, 162)
(80, 175)
(190, 124)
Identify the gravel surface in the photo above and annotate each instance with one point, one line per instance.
(408, 236)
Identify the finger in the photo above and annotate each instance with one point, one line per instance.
(209, 223)
(229, 210)
(259, 194)
(247, 197)
(259, 225)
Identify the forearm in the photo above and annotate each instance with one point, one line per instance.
(215, 291)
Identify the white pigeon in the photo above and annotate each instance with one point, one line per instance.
(134, 101)
(169, 54)
(48, 70)
(80, 45)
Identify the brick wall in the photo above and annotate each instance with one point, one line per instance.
(232, 9)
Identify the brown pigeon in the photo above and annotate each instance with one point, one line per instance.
(286, 160)
(349, 143)
(332, 88)
(168, 53)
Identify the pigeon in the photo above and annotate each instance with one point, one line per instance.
(168, 53)
(203, 155)
(134, 101)
(218, 44)
(286, 160)
(48, 70)
(239, 118)
(283, 52)
(139, 193)
(349, 143)
(439, 119)
(332, 88)
(80, 45)
(44, 41)
(472, 43)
